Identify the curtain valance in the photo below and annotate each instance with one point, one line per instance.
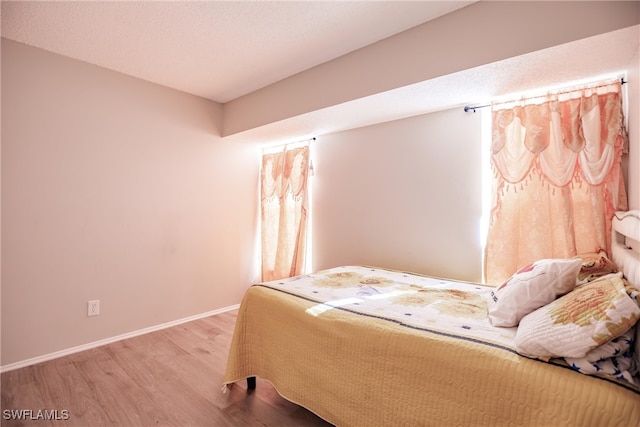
(578, 133)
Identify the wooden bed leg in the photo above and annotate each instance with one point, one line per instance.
(251, 383)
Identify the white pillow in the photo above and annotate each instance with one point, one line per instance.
(530, 288)
(573, 325)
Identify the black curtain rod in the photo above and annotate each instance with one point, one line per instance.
(474, 107)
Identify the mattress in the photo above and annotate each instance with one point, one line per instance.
(363, 346)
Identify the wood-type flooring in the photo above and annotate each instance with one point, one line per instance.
(171, 377)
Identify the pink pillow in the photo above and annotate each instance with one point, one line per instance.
(530, 288)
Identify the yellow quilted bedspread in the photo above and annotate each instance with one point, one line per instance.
(355, 370)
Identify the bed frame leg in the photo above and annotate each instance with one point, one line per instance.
(251, 383)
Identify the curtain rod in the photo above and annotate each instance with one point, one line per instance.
(474, 107)
(280, 145)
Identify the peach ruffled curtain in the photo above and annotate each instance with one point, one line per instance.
(284, 212)
(557, 177)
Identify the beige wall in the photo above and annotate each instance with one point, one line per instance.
(119, 190)
(404, 195)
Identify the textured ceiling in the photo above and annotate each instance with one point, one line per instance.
(219, 50)
(582, 61)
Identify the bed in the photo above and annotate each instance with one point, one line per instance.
(366, 346)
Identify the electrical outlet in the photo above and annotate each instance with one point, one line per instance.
(93, 307)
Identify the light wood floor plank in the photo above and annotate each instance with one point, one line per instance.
(171, 377)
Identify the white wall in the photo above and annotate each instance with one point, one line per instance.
(119, 190)
(404, 195)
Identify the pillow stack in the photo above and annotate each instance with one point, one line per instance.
(565, 307)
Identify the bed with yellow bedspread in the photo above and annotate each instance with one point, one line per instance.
(363, 346)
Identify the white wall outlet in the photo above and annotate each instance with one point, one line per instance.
(93, 307)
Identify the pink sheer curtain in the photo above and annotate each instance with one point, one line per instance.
(557, 177)
(284, 201)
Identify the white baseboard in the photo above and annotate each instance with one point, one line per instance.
(83, 347)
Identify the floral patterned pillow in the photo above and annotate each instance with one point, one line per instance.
(595, 265)
(571, 326)
(530, 288)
